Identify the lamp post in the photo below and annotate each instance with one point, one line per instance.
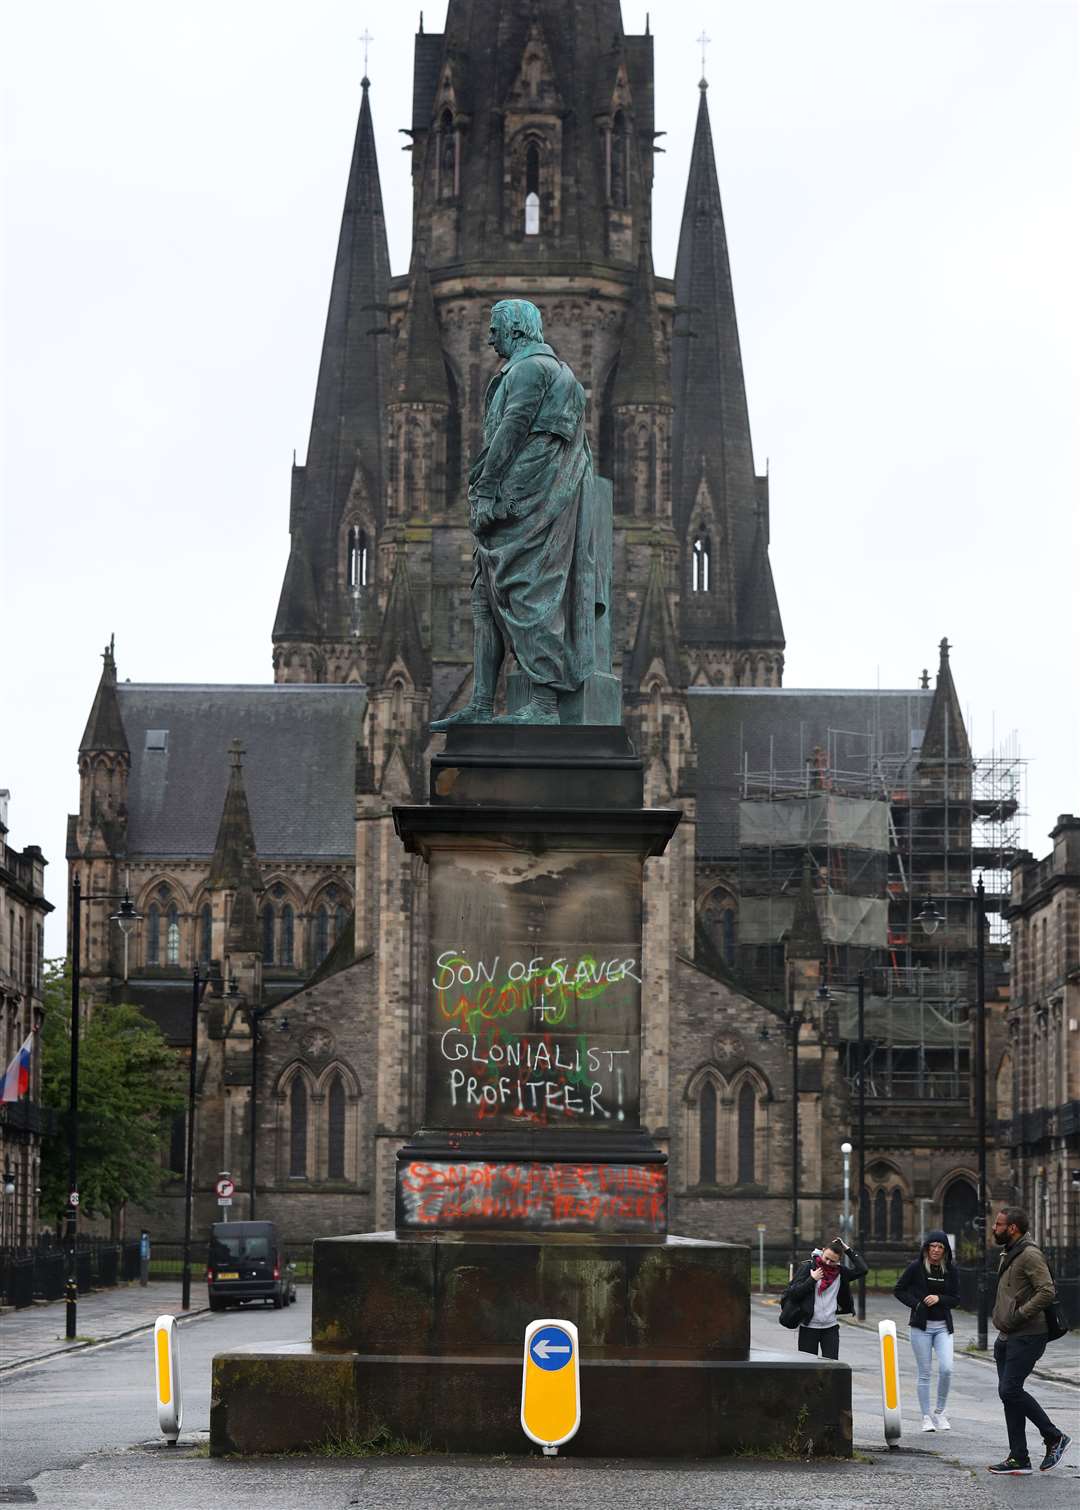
(845, 1149)
(126, 917)
(980, 1097)
(199, 984)
(861, 1136)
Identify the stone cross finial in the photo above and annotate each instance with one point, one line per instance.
(236, 754)
(704, 41)
(367, 38)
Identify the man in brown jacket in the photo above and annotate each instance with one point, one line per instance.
(1024, 1290)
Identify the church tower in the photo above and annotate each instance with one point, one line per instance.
(532, 145)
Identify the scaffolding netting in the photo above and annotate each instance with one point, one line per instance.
(821, 818)
(844, 920)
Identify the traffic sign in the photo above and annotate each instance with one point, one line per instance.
(550, 1386)
(224, 1200)
(225, 1188)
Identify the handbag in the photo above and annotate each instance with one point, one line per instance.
(1057, 1323)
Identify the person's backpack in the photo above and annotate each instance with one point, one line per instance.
(1057, 1323)
(791, 1310)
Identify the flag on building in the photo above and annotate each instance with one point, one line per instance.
(17, 1076)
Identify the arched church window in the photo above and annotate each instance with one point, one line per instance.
(206, 933)
(298, 1110)
(153, 934)
(287, 932)
(172, 936)
(864, 1213)
(707, 1132)
(699, 564)
(357, 560)
(268, 935)
(447, 156)
(532, 190)
(879, 1215)
(747, 1115)
(620, 162)
(335, 1131)
(340, 918)
(322, 935)
(896, 1215)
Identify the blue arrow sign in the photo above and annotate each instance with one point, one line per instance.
(551, 1348)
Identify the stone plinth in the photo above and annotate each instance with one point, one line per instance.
(467, 1295)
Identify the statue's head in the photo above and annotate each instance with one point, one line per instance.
(513, 323)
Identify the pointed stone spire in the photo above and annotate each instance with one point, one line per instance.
(946, 736)
(234, 865)
(642, 376)
(759, 612)
(805, 940)
(655, 639)
(105, 727)
(347, 418)
(711, 415)
(242, 934)
(423, 372)
(400, 638)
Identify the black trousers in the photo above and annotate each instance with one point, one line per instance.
(827, 1338)
(1015, 1358)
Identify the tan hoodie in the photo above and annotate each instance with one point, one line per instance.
(1024, 1290)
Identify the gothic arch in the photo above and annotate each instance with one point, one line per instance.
(717, 918)
(295, 1095)
(704, 1097)
(748, 1147)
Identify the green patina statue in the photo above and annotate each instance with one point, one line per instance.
(536, 588)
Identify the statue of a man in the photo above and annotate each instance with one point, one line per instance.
(531, 513)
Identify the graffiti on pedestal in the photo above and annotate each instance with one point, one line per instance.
(547, 1039)
(570, 1197)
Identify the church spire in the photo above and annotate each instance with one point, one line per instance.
(400, 639)
(946, 736)
(655, 641)
(423, 372)
(759, 612)
(104, 730)
(234, 866)
(345, 448)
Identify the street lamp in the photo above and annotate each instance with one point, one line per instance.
(845, 1149)
(125, 916)
(199, 984)
(929, 919)
(861, 1135)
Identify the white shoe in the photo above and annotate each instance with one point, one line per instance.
(928, 1424)
(941, 1421)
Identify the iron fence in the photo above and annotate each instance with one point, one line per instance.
(40, 1272)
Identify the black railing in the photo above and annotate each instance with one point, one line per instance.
(40, 1272)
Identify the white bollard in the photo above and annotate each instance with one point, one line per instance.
(170, 1410)
(890, 1381)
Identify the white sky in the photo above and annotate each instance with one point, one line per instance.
(900, 197)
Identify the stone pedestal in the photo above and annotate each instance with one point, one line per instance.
(532, 1188)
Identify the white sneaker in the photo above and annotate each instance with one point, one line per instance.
(941, 1421)
(928, 1424)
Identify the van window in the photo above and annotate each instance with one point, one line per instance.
(224, 1248)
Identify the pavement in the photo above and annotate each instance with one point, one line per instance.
(925, 1471)
(37, 1332)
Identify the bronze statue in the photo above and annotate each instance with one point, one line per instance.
(535, 587)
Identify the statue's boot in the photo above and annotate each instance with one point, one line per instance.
(475, 711)
(542, 708)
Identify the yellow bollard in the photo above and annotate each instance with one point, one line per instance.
(890, 1381)
(550, 1387)
(167, 1378)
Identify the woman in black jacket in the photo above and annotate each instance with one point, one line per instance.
(931, 1287)
(820, 1290)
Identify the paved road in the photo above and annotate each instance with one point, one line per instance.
(81, 1431)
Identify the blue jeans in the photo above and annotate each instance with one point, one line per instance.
(924, 1344)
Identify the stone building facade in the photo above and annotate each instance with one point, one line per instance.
(532, 141)
(23, 910)
(1037, 1075)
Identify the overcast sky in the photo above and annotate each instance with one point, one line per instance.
(900, 197)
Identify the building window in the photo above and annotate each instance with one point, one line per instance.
(153, 934)
(335, 1133)
(747, 1113)
(287, 931)
(172, 936)
(322, 935)
(178, 1144)
(864, 1214)
(896, 1216)
(357, 567)
(298, 1130)
(707, 1135)
(620, 163)
(268, 935)
(341, 917)
(879, 1216)
(532, 190)
(699, 565)
(206, 933)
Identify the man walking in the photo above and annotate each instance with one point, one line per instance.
(1024, 1290)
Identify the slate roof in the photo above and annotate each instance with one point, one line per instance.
(299, 770)
(732, 722)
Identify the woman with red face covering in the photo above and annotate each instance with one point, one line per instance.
(819, 1292)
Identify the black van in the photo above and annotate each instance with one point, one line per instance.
(246, 1263)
